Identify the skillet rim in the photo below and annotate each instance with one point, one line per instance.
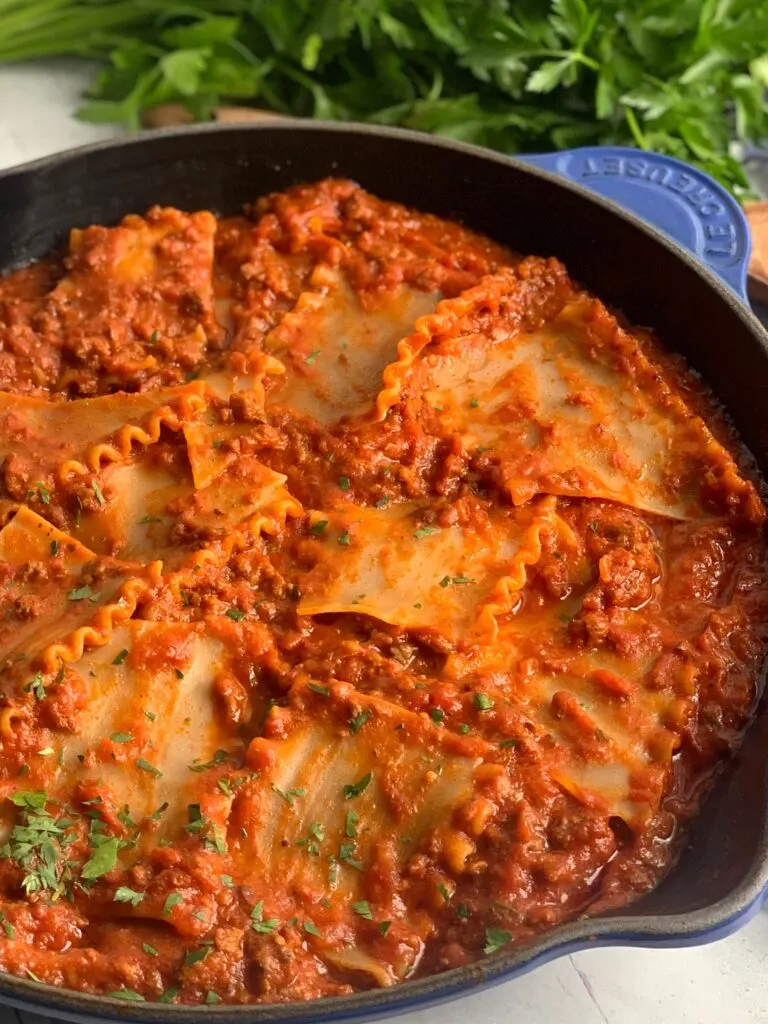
(686, 928)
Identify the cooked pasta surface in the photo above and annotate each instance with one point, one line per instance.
(373, 599)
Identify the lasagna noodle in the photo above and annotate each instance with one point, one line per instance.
(334, 345)
(391, 564)
(78, 436)
(148, 718)
(573, 407)
(395, 772)
(49, 568)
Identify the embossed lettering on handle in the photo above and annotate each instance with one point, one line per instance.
(688, 205)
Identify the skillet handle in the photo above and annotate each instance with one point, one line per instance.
(693, 209)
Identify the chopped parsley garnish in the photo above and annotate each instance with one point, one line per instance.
(384, 926)
(171, 900)
(463, 912)
(437, 715)
(147, 767)
(356, 788)
(508, 744)
(235, 614)
(359, 720)
(495, 939)
(103, 859)
(324, 691)
(54, 548)
(38, 842)
(350, 825)
(445, 892)
(211, 998)
(195, 956)
(149, 949)
(288, 796)
(149, 519)
(425, 531)
(178, 673)
(81, 594)
(218, 758)
(10, 931)
(259, 924)
(483, 702)
(168, 996)
(120, 658)
(318, 528)
(97, 491)
(463, 729)
(311, 928)
(382, 503)
(127, 994)
(37, 686)
(153, 338)
(312, 357)
(150, 715)
(347, 855)
(344, 483)
(363, 909)
(474, 404)
(121, 737)
(125, 895)
(227, 881)
(343, 538)
(457, 581)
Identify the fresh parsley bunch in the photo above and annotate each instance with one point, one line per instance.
(684, 77)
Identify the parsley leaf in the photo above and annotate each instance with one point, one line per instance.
(356, 788)
(495, 939)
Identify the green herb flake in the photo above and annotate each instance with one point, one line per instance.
(354, 789)
(463, 912)
(149, 949)
(120, 658)
(145, 766)
(384, 926)
(324, 691)
(508, 744)
(344, 483)
(358, 721)
(235, 614)
(125, 895)
(464, 729)
(350, 824)
(318, 528)
(483, 702)
(289, 794)
(127, 994)
(382, 503)
(312, 357)
(437, 715)
(37, 686)
(172, 900)
(343, 539)
(425, 531)
(168, 995)
(121, 737)
(102, 860)
(495, 939)
(97, 491)
(150, 715)
(363, 909)
(54, 548)
(82, 594)
(311, 929)
(211, 998)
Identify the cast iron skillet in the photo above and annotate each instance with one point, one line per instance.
(723, 869)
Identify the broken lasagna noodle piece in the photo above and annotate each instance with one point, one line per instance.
(373, 599)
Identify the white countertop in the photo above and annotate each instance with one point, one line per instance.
(723, 983)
